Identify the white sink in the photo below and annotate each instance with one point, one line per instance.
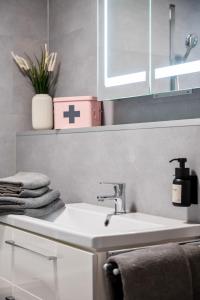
(90, 219)
(82, 224)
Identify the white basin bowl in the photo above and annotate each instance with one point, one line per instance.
(90, 219)
(82, 224)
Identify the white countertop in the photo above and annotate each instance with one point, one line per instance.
(82, 225)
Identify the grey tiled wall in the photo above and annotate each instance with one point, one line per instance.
(73, 34)
(77, 162)
(22, 29)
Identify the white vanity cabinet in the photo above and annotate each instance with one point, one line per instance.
(39, 266)
(33, 267)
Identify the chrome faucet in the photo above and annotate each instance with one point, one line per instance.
(119, 198)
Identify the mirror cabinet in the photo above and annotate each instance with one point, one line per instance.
(147, 47)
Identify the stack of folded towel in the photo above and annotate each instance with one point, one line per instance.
(28, 193)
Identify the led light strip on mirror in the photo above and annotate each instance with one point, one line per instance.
(122, 79)
(179, 69)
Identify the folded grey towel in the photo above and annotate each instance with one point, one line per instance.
(24, 180)
(45, 210)
(24, 193)
(34, 212)
(155, 273)
(14, 202)
(12, 212)
(10, 190)
(193, 254)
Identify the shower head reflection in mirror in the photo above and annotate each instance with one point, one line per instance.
(191, 42)
(178, 62)
(179, 65)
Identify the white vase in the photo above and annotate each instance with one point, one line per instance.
(42, 112)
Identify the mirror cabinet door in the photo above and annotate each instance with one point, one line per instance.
(123, 60)
(175, 45)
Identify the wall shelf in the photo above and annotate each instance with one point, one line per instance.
(121, 127)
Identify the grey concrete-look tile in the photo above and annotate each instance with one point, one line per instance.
(23, 122)
(77, 45)
(29, 46)
(6, 61)
(7, 17)
(78, 74)
(140, 158)
(77, 79)
(5, 99)
(22, 29)
(23, 18)
(7, 154)
(6, 83)
(74, 37)
(68, 16)
(31, 19)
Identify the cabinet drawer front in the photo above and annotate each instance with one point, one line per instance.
(32, 270)
(5, 288)
(49, 270)
(75, 274)
(5, 255)
(20, 294)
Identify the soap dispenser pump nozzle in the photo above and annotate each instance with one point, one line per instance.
(181, 171)
(182, 161)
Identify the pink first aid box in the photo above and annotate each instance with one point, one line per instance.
(76, 112)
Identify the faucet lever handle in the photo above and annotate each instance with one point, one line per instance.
(119, 197)
(112, 183)
(119, 187)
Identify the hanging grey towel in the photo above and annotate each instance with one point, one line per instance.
(24, 193)
(14, 202)
(45, 210)
(155, 273)
(193, 254)
(24, 180)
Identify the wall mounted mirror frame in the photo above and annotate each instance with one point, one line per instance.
(148, 47)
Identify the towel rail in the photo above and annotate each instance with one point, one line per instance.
(108, 267)
(14, 244)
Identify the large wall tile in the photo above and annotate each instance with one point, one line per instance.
(23, 18)
(76, 163)
(73, 34)
(6, 82)
(22, 29)
(7, 154)
(68, 16)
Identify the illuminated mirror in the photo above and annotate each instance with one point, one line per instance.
(175, 45)
(123, 48)
(147, 47)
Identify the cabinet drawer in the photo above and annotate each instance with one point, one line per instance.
(20, 294)
(17, 294)
(32, 268)
(48, 270)
(5, 288)
(5, 262)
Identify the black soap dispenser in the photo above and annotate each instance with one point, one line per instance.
(182, 184)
